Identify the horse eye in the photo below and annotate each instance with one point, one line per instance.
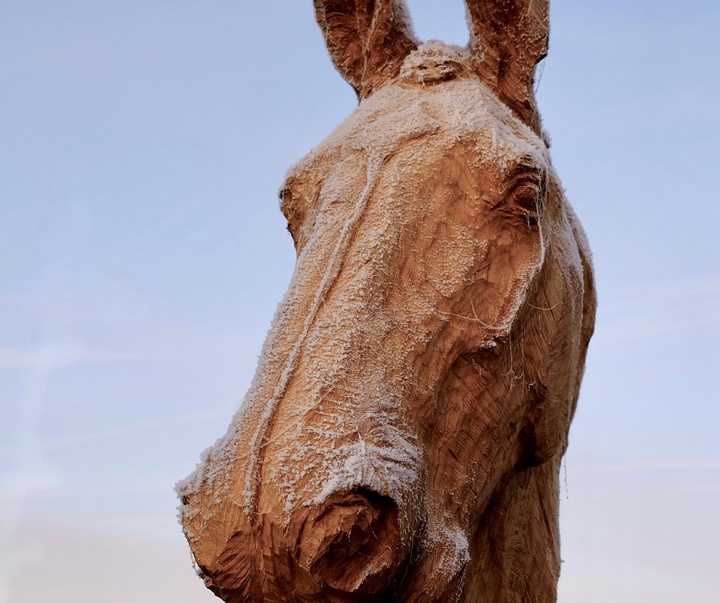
(292, 211)
(522, 202)
(285, 198)
(525, 197)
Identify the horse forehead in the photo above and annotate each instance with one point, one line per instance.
(442, 115)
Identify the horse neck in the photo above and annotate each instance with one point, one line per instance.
(516, 548)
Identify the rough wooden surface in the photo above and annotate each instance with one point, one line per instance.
(402, 438)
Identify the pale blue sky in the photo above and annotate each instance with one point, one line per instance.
(143, 143)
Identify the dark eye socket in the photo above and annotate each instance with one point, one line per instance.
(293, 212)
(285, 196)
(523, 200)
(525, 195)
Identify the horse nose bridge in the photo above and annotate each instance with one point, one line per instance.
(323, 448)
(313, 387)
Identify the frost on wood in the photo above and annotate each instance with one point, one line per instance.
(402, 436)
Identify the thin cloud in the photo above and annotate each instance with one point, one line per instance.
(712, 489)
(161, 486)
(136, 428)
(14, 358)
(660, 308)
(664, 293)
(650, 466)
(58, 355)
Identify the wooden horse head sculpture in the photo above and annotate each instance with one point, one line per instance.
(402, 438)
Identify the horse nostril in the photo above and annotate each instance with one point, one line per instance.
(352, 543)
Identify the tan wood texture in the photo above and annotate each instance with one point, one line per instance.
(402, 438)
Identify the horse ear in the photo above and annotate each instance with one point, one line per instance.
(510, 37)
(368, 40)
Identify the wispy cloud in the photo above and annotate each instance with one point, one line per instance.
(649, 466)
(66, 562)
(709, 489)
(125, 488)
(660, 308)
(20, 484)
(131, 429)
(52, 356)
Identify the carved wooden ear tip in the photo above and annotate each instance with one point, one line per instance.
(509, 38)
(367, 39)
(352, 543)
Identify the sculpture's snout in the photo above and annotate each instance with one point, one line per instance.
(352, 543)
